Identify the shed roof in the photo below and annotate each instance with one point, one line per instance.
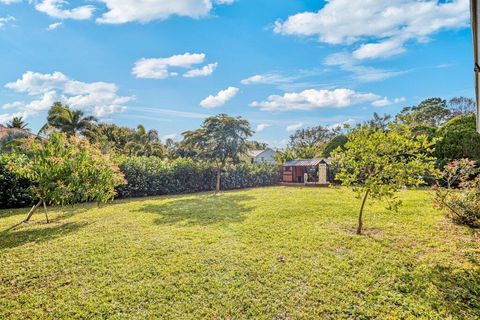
(306, 162)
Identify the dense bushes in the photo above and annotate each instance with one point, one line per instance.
(461, 203)
(152, 176)
(14, 191)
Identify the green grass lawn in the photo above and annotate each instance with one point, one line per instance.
(268, 253)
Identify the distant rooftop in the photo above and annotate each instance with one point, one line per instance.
(306, 162)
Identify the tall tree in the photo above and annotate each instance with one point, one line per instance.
(431, 112)
(220, 139)
(68, 121)
(308, 143)
(462, 105)
(17, 123)
(378, 164)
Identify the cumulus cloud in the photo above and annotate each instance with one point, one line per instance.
(160, 68)
(123, 11)
(294, 127)
(202, 72)
(387, 102)
(5, 20)
(55, 8)
(381, 27)
(261, 127)
(100, 98)
(218, 100)
(54, 26)
(314, 99)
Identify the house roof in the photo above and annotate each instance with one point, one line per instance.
(4, 131)
(256, 153)
(306, 162)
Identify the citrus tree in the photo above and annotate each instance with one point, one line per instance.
(64, 170)
(377, 164)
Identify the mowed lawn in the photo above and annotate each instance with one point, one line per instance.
(267, 253)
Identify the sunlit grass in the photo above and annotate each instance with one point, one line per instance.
(271, 253)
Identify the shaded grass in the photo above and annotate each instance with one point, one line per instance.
(268, 253)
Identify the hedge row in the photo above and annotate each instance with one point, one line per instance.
(152, 176)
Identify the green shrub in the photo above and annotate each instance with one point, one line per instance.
(14, 191)
(458, 139)
(152, 176)
(461, 203)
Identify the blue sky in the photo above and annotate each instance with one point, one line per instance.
(281, 64)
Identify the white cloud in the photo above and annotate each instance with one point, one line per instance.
(387, 102)
(220, 99)
(159, 68)
(123, 11)
(314, 99)
(381, 27)
(54, 26)
(267, 78)
(55, 8)
(294, 127)
(5, 20)
(10, 1)
(262, 126)
(202, 72)
(100, 98)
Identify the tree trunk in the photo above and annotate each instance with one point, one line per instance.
(32, 211)
(360, 216)
(46, 211)
(219, 179)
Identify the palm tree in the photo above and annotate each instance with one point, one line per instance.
(67, 120)
(145, 143)
(17, 123)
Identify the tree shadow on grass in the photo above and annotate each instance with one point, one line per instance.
(15, 238)
(205, 210)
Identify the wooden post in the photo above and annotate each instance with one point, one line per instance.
(32, 211)
(322, 174)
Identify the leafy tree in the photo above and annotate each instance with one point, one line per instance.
(64, 170)
(220, 139)
(431, 112)
(308, 143)
(337, 142)
(256, 145)
(67, 120)
(17, 123)
(378, 164)
(458, 139)
(311, 137)
(462, 105)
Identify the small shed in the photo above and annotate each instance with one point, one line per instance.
(294, 171)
